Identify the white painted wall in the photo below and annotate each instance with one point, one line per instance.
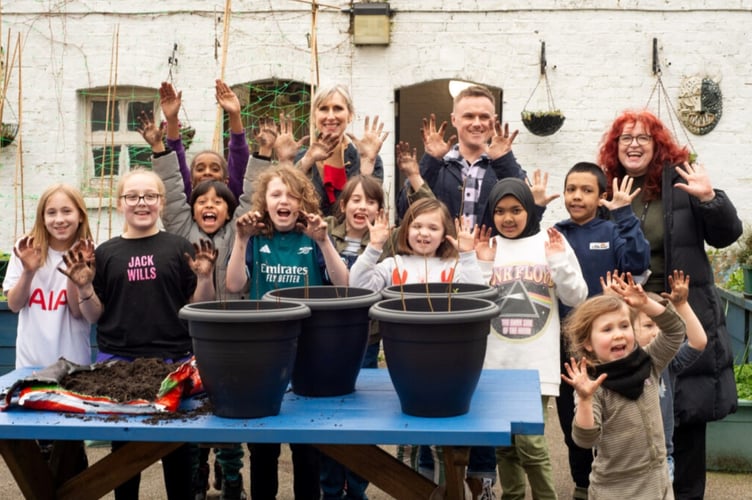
(599, 63)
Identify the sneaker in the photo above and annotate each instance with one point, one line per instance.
(217, 484)
(233, 490)
(487, 492)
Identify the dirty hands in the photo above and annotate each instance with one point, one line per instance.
(373, 138)
(29, 254)
(203, 262)
(80, 264)
(577, 376)
(433, 138)
(501, 141)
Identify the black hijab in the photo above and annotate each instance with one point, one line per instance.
(520, 190)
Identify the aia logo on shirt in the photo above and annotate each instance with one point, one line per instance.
(49, 302)
(525, 298)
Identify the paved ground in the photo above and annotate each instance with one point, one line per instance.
(719, 486)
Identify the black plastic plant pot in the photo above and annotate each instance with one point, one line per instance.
(437, 289)
(245, 351)
(434, 349)
(333, 339)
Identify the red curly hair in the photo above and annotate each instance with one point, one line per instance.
(666, 150)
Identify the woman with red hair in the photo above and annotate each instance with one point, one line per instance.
(680, 212)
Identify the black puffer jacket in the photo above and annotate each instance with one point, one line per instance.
(706, 390)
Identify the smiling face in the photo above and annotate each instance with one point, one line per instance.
(282, 207)
(210, 211)
(635, 157)
(581, 196)
(473, 117)
(332, 115)
(61, 219)
(510, 217)
(359, 210)
(426, 233)
(611, 336)
(142, 218)
(207, 165)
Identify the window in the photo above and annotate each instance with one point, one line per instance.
(112, 143)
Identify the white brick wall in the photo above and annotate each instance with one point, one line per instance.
(599, 62)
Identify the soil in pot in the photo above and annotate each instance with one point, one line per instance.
(476, 290)
(333, 339)
(434, 349)
(245, 350)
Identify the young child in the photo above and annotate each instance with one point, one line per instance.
(283, 242)
(601, 246)
(361, 200)
(50, 324)
(134, 288)
(646, 330)
(618, 411)
(533, 270)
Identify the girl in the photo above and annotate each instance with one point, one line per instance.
(143, 274)
(428, 248)
(336, 155)
(619, 410)
(533, 270)
(50, 324)
(283, 242)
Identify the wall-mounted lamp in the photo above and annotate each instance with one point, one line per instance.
(371, 24)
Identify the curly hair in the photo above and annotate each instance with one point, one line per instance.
(299, 186)
(426, 205)
(578, 325)
(666, 150)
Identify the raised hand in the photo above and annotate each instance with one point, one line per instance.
(433, 139)
(621, 194)
(539, 187)
(407, 159)
(379, 230)
(249, 224)
(373, 138)
(483, 249)
(679, 283)
(467, 235)
(501, 141)
(313, 225)
(170, 101)
(286, 147)
(608, 281)
(555, 244)
(148, 129)
(226, 97)
(631, 292)
(265, 135)
(323, 147)
(79, 263)
(29, 254)
(698, 183)
(577, 376)
(206, 255)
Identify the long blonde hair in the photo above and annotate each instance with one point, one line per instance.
(39, 231)
(578, 326)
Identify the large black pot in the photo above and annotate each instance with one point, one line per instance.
(245, 350)
(333, 339)
(434, 349)
(435, 289)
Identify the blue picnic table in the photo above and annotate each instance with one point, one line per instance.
(348, 428)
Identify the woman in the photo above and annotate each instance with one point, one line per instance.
(335, 156)
(680, 212)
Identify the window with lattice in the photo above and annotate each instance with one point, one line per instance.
(112, 144)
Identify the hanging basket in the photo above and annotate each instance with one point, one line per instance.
(8, 133)
(543, 123)
(186, 135)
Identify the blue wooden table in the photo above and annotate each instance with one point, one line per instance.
(348, 428)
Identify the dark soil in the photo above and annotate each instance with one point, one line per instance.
(121, 380)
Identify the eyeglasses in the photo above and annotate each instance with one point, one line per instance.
(133, 199)
(642, 139)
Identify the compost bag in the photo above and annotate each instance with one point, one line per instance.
(43, 390)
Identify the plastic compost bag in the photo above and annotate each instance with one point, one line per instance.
(42, 391)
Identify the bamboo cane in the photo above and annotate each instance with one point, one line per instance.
(19, 149)
(225, 37)
(109, 111)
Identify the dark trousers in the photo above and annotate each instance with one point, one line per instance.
(580, 459)
(305, 470)
(176, 467)
(689, 460)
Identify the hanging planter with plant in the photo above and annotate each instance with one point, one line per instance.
(8, 133)
(543, 122)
